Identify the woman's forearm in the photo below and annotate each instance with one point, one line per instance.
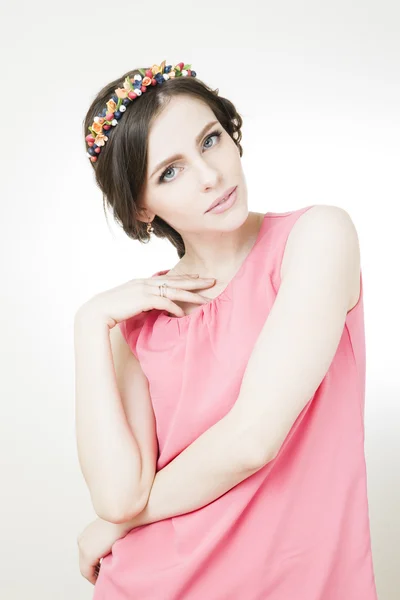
(108, 453)
(213, 464)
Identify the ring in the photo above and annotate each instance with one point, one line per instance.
(162, 289)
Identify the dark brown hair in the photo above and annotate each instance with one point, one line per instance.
(121, 167)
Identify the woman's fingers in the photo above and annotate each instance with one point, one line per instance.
(181, 281)
(177, 289)
(184, 295)
(89, 571)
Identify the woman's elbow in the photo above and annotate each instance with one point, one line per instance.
(115, 513)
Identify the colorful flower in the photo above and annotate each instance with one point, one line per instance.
(155, 69)
(97, 127)
(111, 106)
(100, 139)
(122, 92)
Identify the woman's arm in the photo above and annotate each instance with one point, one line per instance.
(116, 439)
(290, 358)
(213, 464)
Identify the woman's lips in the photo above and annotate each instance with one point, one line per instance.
(226, 195)
(226, 204)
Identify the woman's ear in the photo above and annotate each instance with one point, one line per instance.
(144, 215)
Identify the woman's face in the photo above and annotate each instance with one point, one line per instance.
(181, 190)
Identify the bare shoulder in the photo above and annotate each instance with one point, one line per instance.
(321, 227)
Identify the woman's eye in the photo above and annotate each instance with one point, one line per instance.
(215, 134)
(163, 179)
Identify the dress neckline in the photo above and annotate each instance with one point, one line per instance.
(201, 308)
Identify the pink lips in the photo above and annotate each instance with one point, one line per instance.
(226, 204)
(227, 193)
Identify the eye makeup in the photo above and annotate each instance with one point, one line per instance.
(161, 179)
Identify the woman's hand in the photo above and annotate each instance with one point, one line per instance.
(95, 542)
(137, 295)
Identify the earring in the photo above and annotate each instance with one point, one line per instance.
(150, 228)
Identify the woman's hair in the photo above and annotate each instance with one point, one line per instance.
(121, 167)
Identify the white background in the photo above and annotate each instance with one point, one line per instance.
(318, 86)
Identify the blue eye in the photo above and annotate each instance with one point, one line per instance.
(161, 178)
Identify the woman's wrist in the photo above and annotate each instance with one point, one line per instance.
(87, 316)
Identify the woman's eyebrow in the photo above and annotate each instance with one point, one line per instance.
(178, 156)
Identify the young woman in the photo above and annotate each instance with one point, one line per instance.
(220, 402)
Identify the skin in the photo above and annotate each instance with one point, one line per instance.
(216, 244)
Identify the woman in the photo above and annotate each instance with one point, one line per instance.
(220, 425)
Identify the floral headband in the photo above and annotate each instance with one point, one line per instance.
(132, 89)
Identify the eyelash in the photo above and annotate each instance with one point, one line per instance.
(217, 133)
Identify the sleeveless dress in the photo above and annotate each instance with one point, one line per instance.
(297, 529)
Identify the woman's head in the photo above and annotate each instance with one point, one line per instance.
(164, 121)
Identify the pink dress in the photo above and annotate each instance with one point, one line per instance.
(298, 529)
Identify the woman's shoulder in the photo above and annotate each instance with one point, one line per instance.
(330, 222)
